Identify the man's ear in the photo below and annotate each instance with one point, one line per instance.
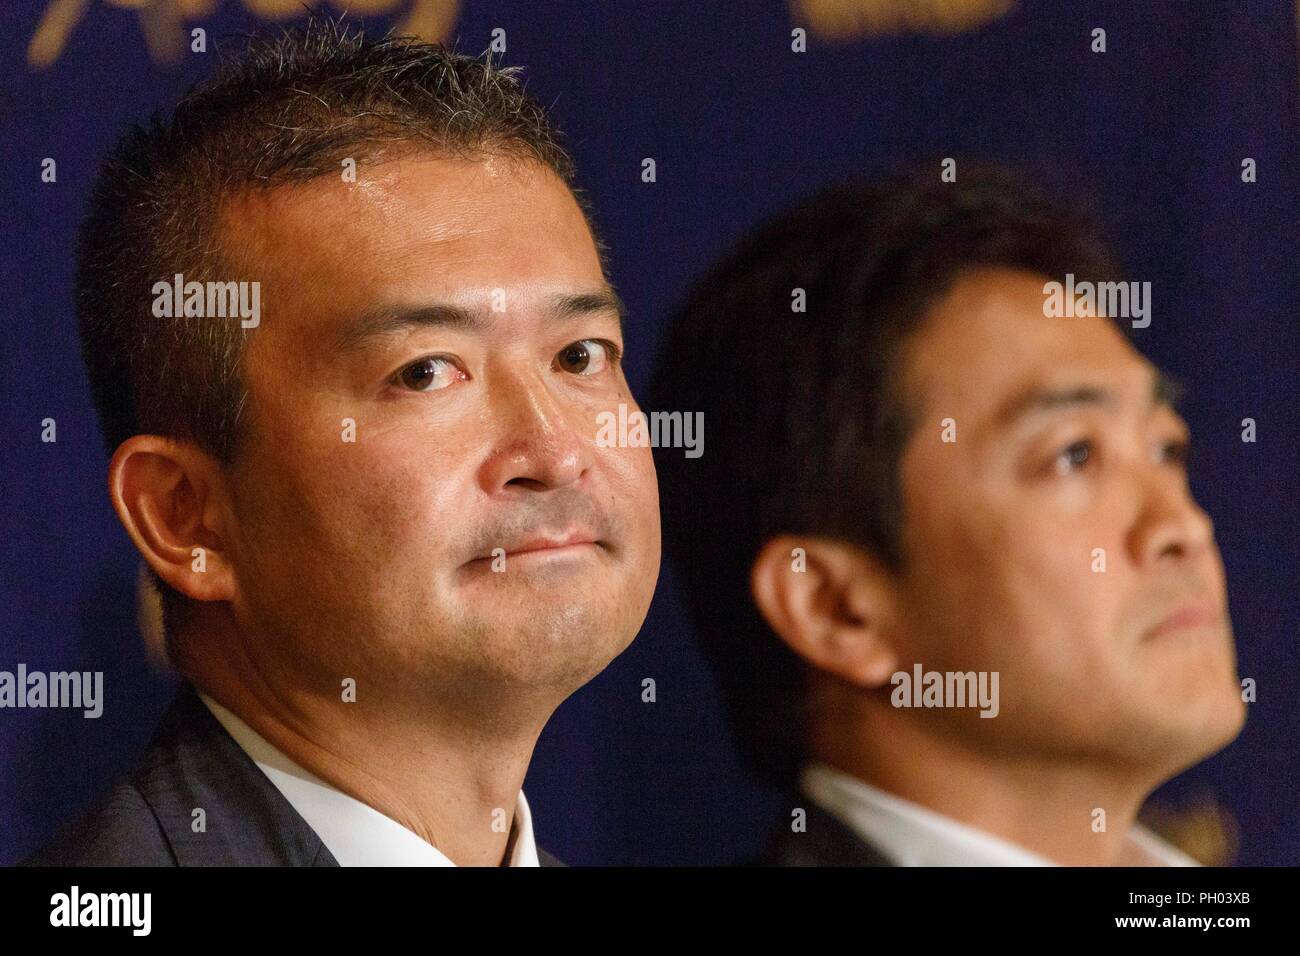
(169, 497)
(831, 602)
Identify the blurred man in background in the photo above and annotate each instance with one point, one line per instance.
(942, 553)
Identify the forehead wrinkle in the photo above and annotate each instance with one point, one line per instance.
(374, 217)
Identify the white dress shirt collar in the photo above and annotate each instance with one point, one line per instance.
(912, 835)
(355, 833)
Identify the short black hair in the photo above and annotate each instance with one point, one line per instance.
(283, 110)
(806, 419)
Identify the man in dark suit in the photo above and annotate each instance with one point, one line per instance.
(942, 553)
(148, 817)
(349, 335)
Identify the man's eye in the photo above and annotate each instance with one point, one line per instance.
(1072, 457)
(429, 374)
(586, 357)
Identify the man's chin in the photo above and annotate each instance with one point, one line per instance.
(1229, 727)
(1198, 730)
(556, 645)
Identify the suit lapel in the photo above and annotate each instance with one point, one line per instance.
(191, 765)
(545, 859)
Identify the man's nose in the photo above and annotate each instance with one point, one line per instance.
(1170, 526)
(539, 445)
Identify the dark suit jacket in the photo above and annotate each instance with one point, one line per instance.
(145, 817)
(825, 842)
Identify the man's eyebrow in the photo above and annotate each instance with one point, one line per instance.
(381, 322)
(1164, 391)
(575, 305)
(1037, 400)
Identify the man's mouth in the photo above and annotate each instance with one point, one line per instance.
(1190, 616)
(544, 545)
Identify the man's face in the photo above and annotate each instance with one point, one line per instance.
(1062, 452)
(423, 503)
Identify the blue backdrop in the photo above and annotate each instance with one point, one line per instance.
(1157, 127)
